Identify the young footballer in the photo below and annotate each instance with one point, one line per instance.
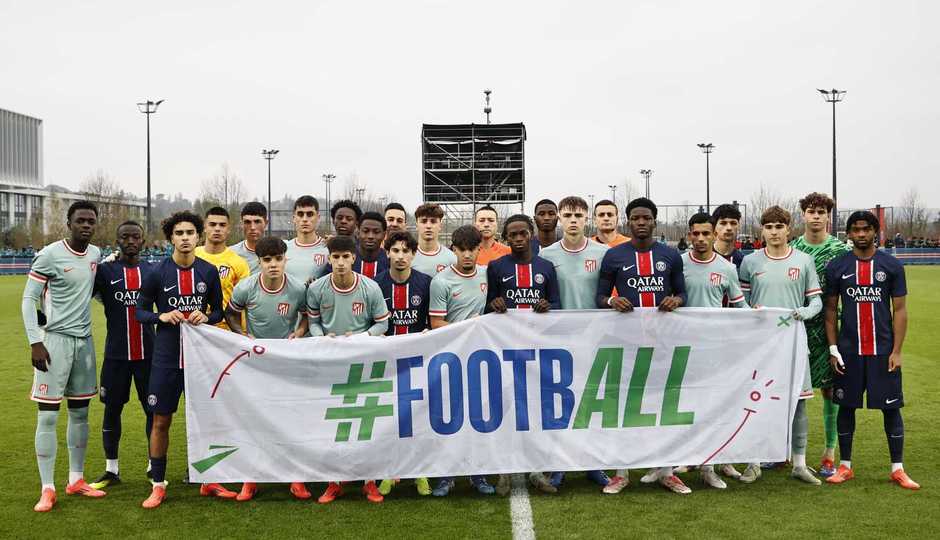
(822, 247)
(254, 217)
(306, 253)
(185, 290)
(407, 294)
(865, 348)
(343, 303)
(606, 219)
(61, 278)
(783, 277)
(458, 293)
(396, 219)
(727, 220)
(546, 221)
(432, 257)
(577, 266)
(273, 303)
(486, 221)
(710, 280)
(232, 267)
(128, 347)
(371, 260)
(522, 280)
(345, 215)
(646, 273)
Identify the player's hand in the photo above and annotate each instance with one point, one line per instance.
(40, 356)
(196, 318)
(670, 303)
(348, 333)
(498, 305)
(542, 306)
(621, 304)
(172, 317)
(835, 360)
(331, 334)
(894, 361)
(425, 331)
(292, 335)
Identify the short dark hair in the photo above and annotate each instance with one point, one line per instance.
(725, 211)
(401, 236)
(775, 214)
(374, 216)
(574, 202)
(183, 216)
(394, 206)
(81, 205)
(217, 211)
(699, 219)
(605, 202)
(130, 223)
(518, 218)
(817, 200)
(429, 210)
(346, 203)
(341, 242)
(487, 208)
(642, 202)
(270, 246)
(466, 237)
(307, 200)
(254, 208)
(863, 215)
(545, 201)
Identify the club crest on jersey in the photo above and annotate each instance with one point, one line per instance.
(319, 259)
(539, 278)
(793, 273)
(441, 267)
(43, 388)
(223, 271)
(590, 265)
(94, 267)
(715, 279)
(283, 308)
(880, 276)
(415, 300)
(661, 266)
(483, 287)
(357, 308)
(201, 287)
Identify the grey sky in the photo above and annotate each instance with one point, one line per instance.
(604, 89)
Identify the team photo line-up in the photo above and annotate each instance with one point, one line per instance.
(374, 277)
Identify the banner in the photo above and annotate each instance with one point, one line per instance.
(501, 393)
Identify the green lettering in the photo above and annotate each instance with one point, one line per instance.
(632, 417)
(671, 415)
(611, 361)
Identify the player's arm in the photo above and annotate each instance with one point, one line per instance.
(437, 309)
(677, 284)
(605, 283)
(495, 303)
(313, 311)
(813, 294)
(744, 278)
(379, 309)
(39, 275)
(733, 289)
(899, 325)
(214, 299)
(143, 311)
(235, 308)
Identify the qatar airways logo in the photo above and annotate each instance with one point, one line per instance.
(864, 293)
(524, 296)
(404, 317)
(126, 298)
(185, 303)
(646, 283)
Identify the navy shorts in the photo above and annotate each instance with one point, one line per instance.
(868, 375)
(166, 387)
(116, 377)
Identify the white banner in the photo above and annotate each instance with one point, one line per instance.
(502, 393)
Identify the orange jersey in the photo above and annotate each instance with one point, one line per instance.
(497, 250)
(618, 239)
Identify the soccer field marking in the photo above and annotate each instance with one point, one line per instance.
(523, 528)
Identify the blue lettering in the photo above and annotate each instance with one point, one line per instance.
(519, 357)
(550, 388)
(407, 394)
(475, 391)
(436, 393)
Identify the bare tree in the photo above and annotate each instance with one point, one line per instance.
(767, 196)
(112, 201)
(56, 210)
(225, 188)
(914, 215)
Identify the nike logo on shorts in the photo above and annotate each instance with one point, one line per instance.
(890, 401)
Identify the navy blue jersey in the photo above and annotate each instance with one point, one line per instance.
(736, 257)
(644, 278)
(370, 269)
(522, 285)
(407, 302)
(118, 286)
(171, 287)
(866, 287)
(536, 246)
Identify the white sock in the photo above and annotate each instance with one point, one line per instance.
(148, 465)
(799, 460)
(48, 486)
(709, 468)
(75, 476)
(848, 464)
(896, 466)
(621, 473)
(111, 465)
(664, 472)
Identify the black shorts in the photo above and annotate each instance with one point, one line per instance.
(166, 387)
(868, 375)
(116, 376)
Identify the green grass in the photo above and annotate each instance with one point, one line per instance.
(775, 506)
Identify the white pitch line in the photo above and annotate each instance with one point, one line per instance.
(523, 527)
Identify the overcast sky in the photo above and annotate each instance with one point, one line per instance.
(604, 89)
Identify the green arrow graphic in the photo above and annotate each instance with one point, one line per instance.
(204, 465)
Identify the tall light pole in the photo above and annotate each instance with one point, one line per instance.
(646, 174)
(269, 155)
(328, 179)
(148, 107)
(359, 192)
(833, 96)
(707, 148)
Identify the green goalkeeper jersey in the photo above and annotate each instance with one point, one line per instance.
(821, 254)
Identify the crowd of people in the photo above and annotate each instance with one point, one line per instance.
(373, 276)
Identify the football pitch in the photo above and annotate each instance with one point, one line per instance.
(775, 506)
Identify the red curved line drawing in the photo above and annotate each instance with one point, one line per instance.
(733, 435)
(226, 372)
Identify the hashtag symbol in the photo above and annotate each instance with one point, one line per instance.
(366, 413)
(784, 321)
